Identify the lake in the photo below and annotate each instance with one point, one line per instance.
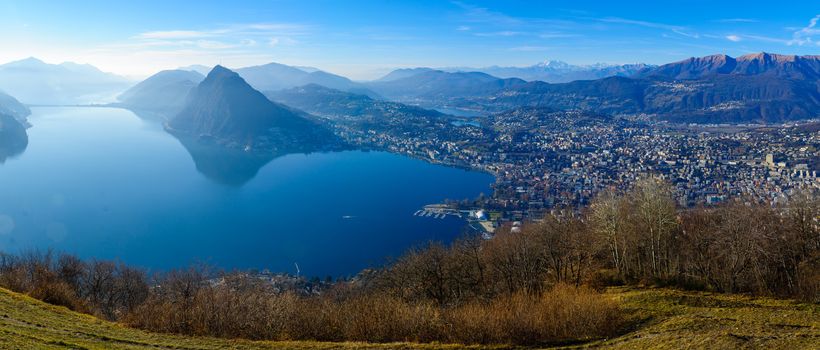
(103, 183)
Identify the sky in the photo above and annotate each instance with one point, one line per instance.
(366, 39)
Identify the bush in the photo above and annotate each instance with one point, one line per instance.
(564, 313)
(60, 294)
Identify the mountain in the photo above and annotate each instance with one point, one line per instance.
(13, 137)
(164, 92)
(714, 89)
(761, 64)
(404, 73)
(35, 82)
(224, 108)
(559, 72)
(332, 103)
(275, 76)
(199, 68)
(11, 107)
(437, 87)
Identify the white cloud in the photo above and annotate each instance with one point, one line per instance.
(504, 33)
(530, 48)
(477, 14)
(233, 45)
(680, 30)
(281, 27)
(275, 41)
(229, 36)
(463, 28)
(737, 20)
(557, 35)
(805, 36)
(766, 39)
(733, 37)
(173, 34)
(213, 44)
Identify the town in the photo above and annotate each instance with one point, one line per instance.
(545, 159)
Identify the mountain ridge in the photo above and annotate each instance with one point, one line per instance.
(763, 63)
(276, 76)
(761, 88)
(33, 81)
(332, 103)
(558, 71)
(437, 85)
(164, 92)
(226, 109)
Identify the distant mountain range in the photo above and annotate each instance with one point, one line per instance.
(404, 73)
(558, 72)
(226, 109)
(35, 82)
(752, 88)
(199, 68)
(275, 76)
(332, 103)
(760, 64)
(163, 93)
(435, 87)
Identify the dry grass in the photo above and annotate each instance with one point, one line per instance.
(674, 319)
(26, 323)
(664, 319)
(562, 314)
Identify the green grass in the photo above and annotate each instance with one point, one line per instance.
(673, 319)
(662, 318)
(26, 323)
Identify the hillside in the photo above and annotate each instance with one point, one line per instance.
(225, 108)
(765, 64)
(714, 89)
(10, 106)
(331, 103)
(439, 86)
(164, 92)
(666, 318)
(33, 81)
(275, 76)
(26, 323)
(559, 72)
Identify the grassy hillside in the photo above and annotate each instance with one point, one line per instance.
(663, 319)
(671, 319)
(26, 323)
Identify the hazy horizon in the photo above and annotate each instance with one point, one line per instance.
(364, 41)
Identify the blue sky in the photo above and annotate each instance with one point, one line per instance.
(364, 39)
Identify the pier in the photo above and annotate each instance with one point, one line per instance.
(476, 218)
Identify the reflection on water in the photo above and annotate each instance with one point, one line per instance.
(222, 165)
(150, 116)
(13, 138)
(102, 183)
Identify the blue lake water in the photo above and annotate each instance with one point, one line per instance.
(103, 183)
